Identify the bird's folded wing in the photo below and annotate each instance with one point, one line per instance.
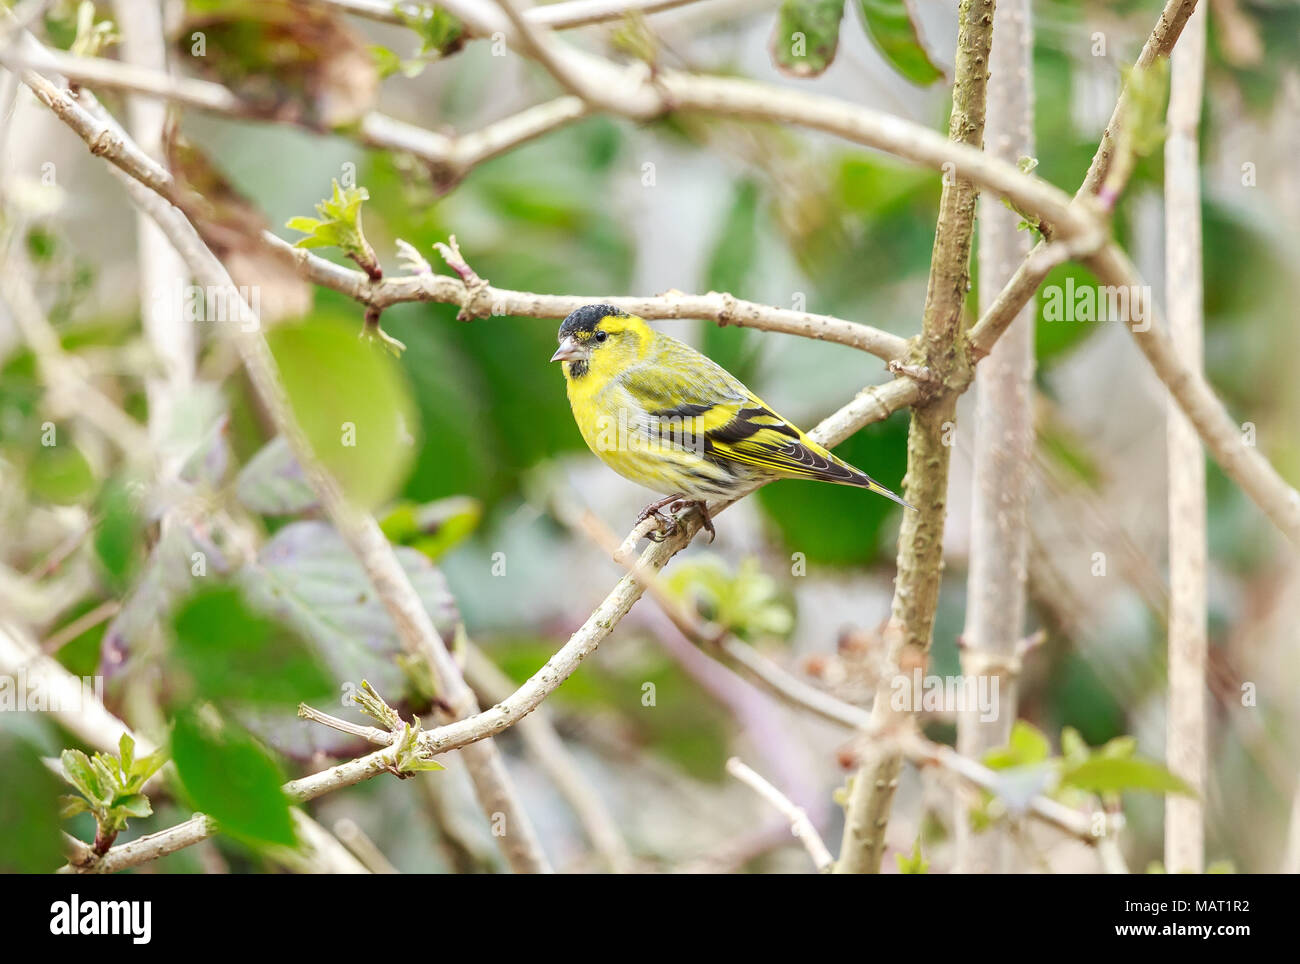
(737, 427)
(760, 438)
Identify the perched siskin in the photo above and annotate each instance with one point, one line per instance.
(661, 414)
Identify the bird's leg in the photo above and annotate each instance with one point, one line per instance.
(706, 521)
(667, 524)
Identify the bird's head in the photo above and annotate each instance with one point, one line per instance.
(600, 338)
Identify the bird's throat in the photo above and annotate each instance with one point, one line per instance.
(577, 368)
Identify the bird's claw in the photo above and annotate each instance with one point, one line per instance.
(667, 526)
(662, 512)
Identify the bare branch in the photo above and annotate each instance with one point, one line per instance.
(362, 847)
(1004, 439)
(372, 734)
(715, 306)
(629, 92)
(920, 542)
(1161, 42)
(799, 823)
(1185, 724)
(1224, 438)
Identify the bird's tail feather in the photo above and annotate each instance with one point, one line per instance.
(865, 481)
(875, 486)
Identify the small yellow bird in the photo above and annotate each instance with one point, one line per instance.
(658, 412)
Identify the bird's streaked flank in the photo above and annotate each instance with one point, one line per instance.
(661, 414)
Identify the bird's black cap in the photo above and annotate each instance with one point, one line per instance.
(587, 317)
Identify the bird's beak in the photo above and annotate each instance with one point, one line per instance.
(570, 350)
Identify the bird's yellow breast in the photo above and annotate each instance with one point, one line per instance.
(613, 424)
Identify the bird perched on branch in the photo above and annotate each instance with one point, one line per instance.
(658, 412)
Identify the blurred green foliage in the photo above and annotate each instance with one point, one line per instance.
(226, 653)
(29, 809)
(891, 27)
(353, 403)
(746, 602)
(805, 35)
(230, 777)
(444, 436)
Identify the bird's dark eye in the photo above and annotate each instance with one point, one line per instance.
(601, 335)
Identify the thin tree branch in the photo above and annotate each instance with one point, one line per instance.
(550, 753)
(362, 847)
(802, 827)
(1030, 276)
(170, 337)
(627, 92)
(488, 301)
(451, 156)
(1161, 43)
(1222, 436)
(1004, 440)
(920, 542)
(150, 186)
(1185, 723)
(371, 734)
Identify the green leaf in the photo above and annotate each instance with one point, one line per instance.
(108, 778)
(416, 763)
(891, 28)
(70, 806)
(1105, 774)
(233, 654)
(434, 528)
(339, 225)
(126, 753)
(1073, 749)
(1143, 127)
(442, 33)
(92, 36)
(746, 602)
(805, 37)
(914, 863)
(1027, 746)
(363, 429)
(117, 537)
(134, 805)
(229, 777)
(29, 811)
(1121, 747)
(307, 578)
(79, 772)
(60, 474)
(146, 766)
(304, 224)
